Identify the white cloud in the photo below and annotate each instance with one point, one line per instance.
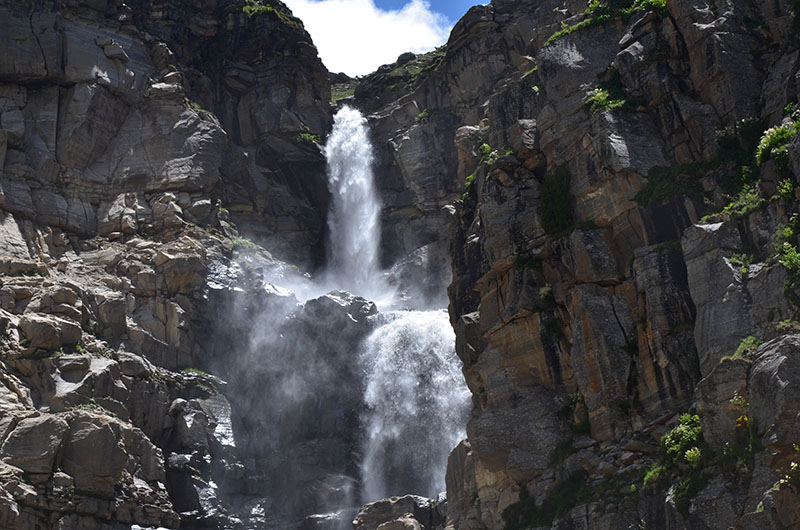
(356, 37)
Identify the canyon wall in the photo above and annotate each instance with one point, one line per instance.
(610, 191)
(621, 244)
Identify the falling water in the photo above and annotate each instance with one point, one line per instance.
(417, 404)
(353, 219)
(415, 395)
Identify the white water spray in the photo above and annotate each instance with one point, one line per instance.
(417, 404)
(354, 217)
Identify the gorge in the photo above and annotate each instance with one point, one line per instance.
(211, 315)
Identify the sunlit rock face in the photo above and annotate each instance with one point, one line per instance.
(592, 304)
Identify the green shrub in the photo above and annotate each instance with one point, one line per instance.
(657, 475)
(555, 202)
(786, 189)
(747, 347)
(599, 12)
(600, 100)
(470, 190)
(748, 200)
(686, 435)
(773, 142)
(308, 138)
(742, 260)
(687, 488)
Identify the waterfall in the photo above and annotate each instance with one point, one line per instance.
(417, 401)
(417, 404)
(354, 216)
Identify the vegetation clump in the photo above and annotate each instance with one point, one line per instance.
(747, 348)
(684, 454)
(598, 12)
(253, 8)
(307, 138)
(773, 144)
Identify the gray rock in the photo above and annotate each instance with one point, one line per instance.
(94, 454)
(717, 404)
(393, 511)
(34, 444)
(773, 392)
(114, 50)
(49, 332)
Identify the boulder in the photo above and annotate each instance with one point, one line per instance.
(49, 332)
(721, 400)
(774, 391)
(34, 444)
(399, 513)
(94, 454)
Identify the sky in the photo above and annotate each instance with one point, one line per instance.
(358, 36)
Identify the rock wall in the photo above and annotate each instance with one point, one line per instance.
(622, 236)
(139, 142)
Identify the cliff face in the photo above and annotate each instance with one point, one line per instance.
(620, 250)
(614, 188)
(621, 254)
(135, 138)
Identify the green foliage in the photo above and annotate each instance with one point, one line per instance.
(693, 456)
(742, 260)
(600, 100)
(193, 105)
(470, 190)
(657, 475)
(242, 243)
(423, 116)
(253, 8)
(683, 457)
(341, 91)
(610, 95)
(555, 202)
(738, 456)
(748, 200)
(558, 501)
(686, 435)
(786, 189)
(92, 406)
(308, 138)
(687, 488)
(774, 141)
(598, 12)
(747, 347)
(739, 401)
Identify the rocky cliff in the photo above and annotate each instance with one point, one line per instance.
(622, 243)
(613, 185)
(136, 137)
